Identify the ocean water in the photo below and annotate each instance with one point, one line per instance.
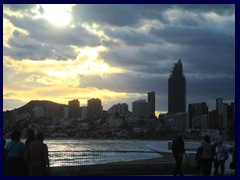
(74, 152)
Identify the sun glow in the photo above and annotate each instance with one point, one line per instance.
(58, 14)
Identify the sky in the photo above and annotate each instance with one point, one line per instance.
(116, 53)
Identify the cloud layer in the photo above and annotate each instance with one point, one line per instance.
(118, 50)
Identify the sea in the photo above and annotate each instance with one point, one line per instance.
(74, 152)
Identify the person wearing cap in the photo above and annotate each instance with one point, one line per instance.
(178, 151)
(37, 153)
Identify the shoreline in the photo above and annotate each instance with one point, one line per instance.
(162, 166)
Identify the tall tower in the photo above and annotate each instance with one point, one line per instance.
(177, 89)
(151, 101)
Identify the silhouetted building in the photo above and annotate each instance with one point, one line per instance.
(94, 109)
(219, 101)
(221, 113)
(177, 122)
(151, 101)
(213, 120)
(200, 122)
(226, 117)
(231, 119)
(195, 110)
(177, 89)
(73, 109)
(140, 109)
(65, 112)
(118, 109)
(231, 111)
(84, 112)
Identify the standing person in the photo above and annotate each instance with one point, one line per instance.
(30, 137)
(15, 155)
(178, 151)
(4, 157)
(215, 161)
(207, 156)
(221, 157)
(37, 153)
(232, 164)
(198, 165)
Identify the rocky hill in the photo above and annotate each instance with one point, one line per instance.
(27, 108)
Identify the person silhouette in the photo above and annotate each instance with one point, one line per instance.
(15, 155)
(30, 137)
(178, 151)
(221, 157)
(4, 157)
(207, 155)
(37, 153)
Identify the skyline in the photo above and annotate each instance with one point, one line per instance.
(89, 51)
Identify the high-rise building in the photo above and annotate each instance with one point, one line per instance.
(177, 122)
(140, 109)
(118, 109)
(94, 109)
(221, 113)
(197, 109)
(74, 109)
(219, 101)
(84, 112)
(151, 101)
(177, 89)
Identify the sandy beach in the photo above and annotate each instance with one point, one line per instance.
(162, 166)
(154, 166)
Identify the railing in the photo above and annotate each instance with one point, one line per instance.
(81, 158)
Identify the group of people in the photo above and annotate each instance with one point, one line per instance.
(206, 155)
(29, 158)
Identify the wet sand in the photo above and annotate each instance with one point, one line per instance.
(154, 166)
(162, 166)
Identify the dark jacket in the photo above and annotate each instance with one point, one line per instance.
(178, 146)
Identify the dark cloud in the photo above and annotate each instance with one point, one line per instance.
(132, 83)
(207, 90)
(132, 37)
(127, 82)
(139, 59)
(24, 8)
(44, 40)
(46, 32)
(133, 14)
(221, 9)
(193, 36)
(117, 15)
(150, 38)
(24, 47)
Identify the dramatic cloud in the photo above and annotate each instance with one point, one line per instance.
(117, 52)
